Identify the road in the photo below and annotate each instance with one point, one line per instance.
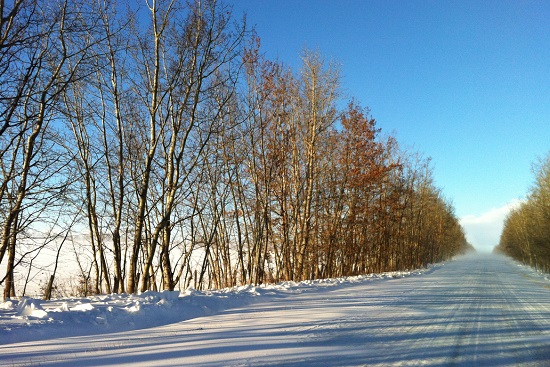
(481, 310)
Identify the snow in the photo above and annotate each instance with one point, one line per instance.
(484, 310)
(33, 319)
(29, 308)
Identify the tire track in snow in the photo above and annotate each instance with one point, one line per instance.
(476, 311)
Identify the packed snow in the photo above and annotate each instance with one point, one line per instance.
(477, 310)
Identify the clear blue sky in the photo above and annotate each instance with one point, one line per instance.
(464, 82)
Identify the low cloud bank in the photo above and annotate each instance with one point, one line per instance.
(483, 231)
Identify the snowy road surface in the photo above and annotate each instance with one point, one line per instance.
(480, 310)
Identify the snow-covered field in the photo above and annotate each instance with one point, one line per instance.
(480, 310)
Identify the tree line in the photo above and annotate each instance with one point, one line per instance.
(157, 148)
(526, 234)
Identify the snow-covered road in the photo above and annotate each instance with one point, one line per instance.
(480, 310)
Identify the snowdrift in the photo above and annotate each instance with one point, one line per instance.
(30, 319)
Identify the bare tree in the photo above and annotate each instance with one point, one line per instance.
(185, 80)
(42, 60)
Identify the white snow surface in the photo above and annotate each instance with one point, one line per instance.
(478, 310)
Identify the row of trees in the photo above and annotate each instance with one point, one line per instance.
(155, 147)
(526, 233)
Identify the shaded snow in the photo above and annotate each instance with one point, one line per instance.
(33, 319)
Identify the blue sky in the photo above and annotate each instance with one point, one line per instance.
(467, 83)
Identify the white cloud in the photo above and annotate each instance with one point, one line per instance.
(483, 231)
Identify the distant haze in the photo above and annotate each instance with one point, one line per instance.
(483, 231)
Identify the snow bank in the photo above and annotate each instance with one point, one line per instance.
(31, 319)
(29, 307)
